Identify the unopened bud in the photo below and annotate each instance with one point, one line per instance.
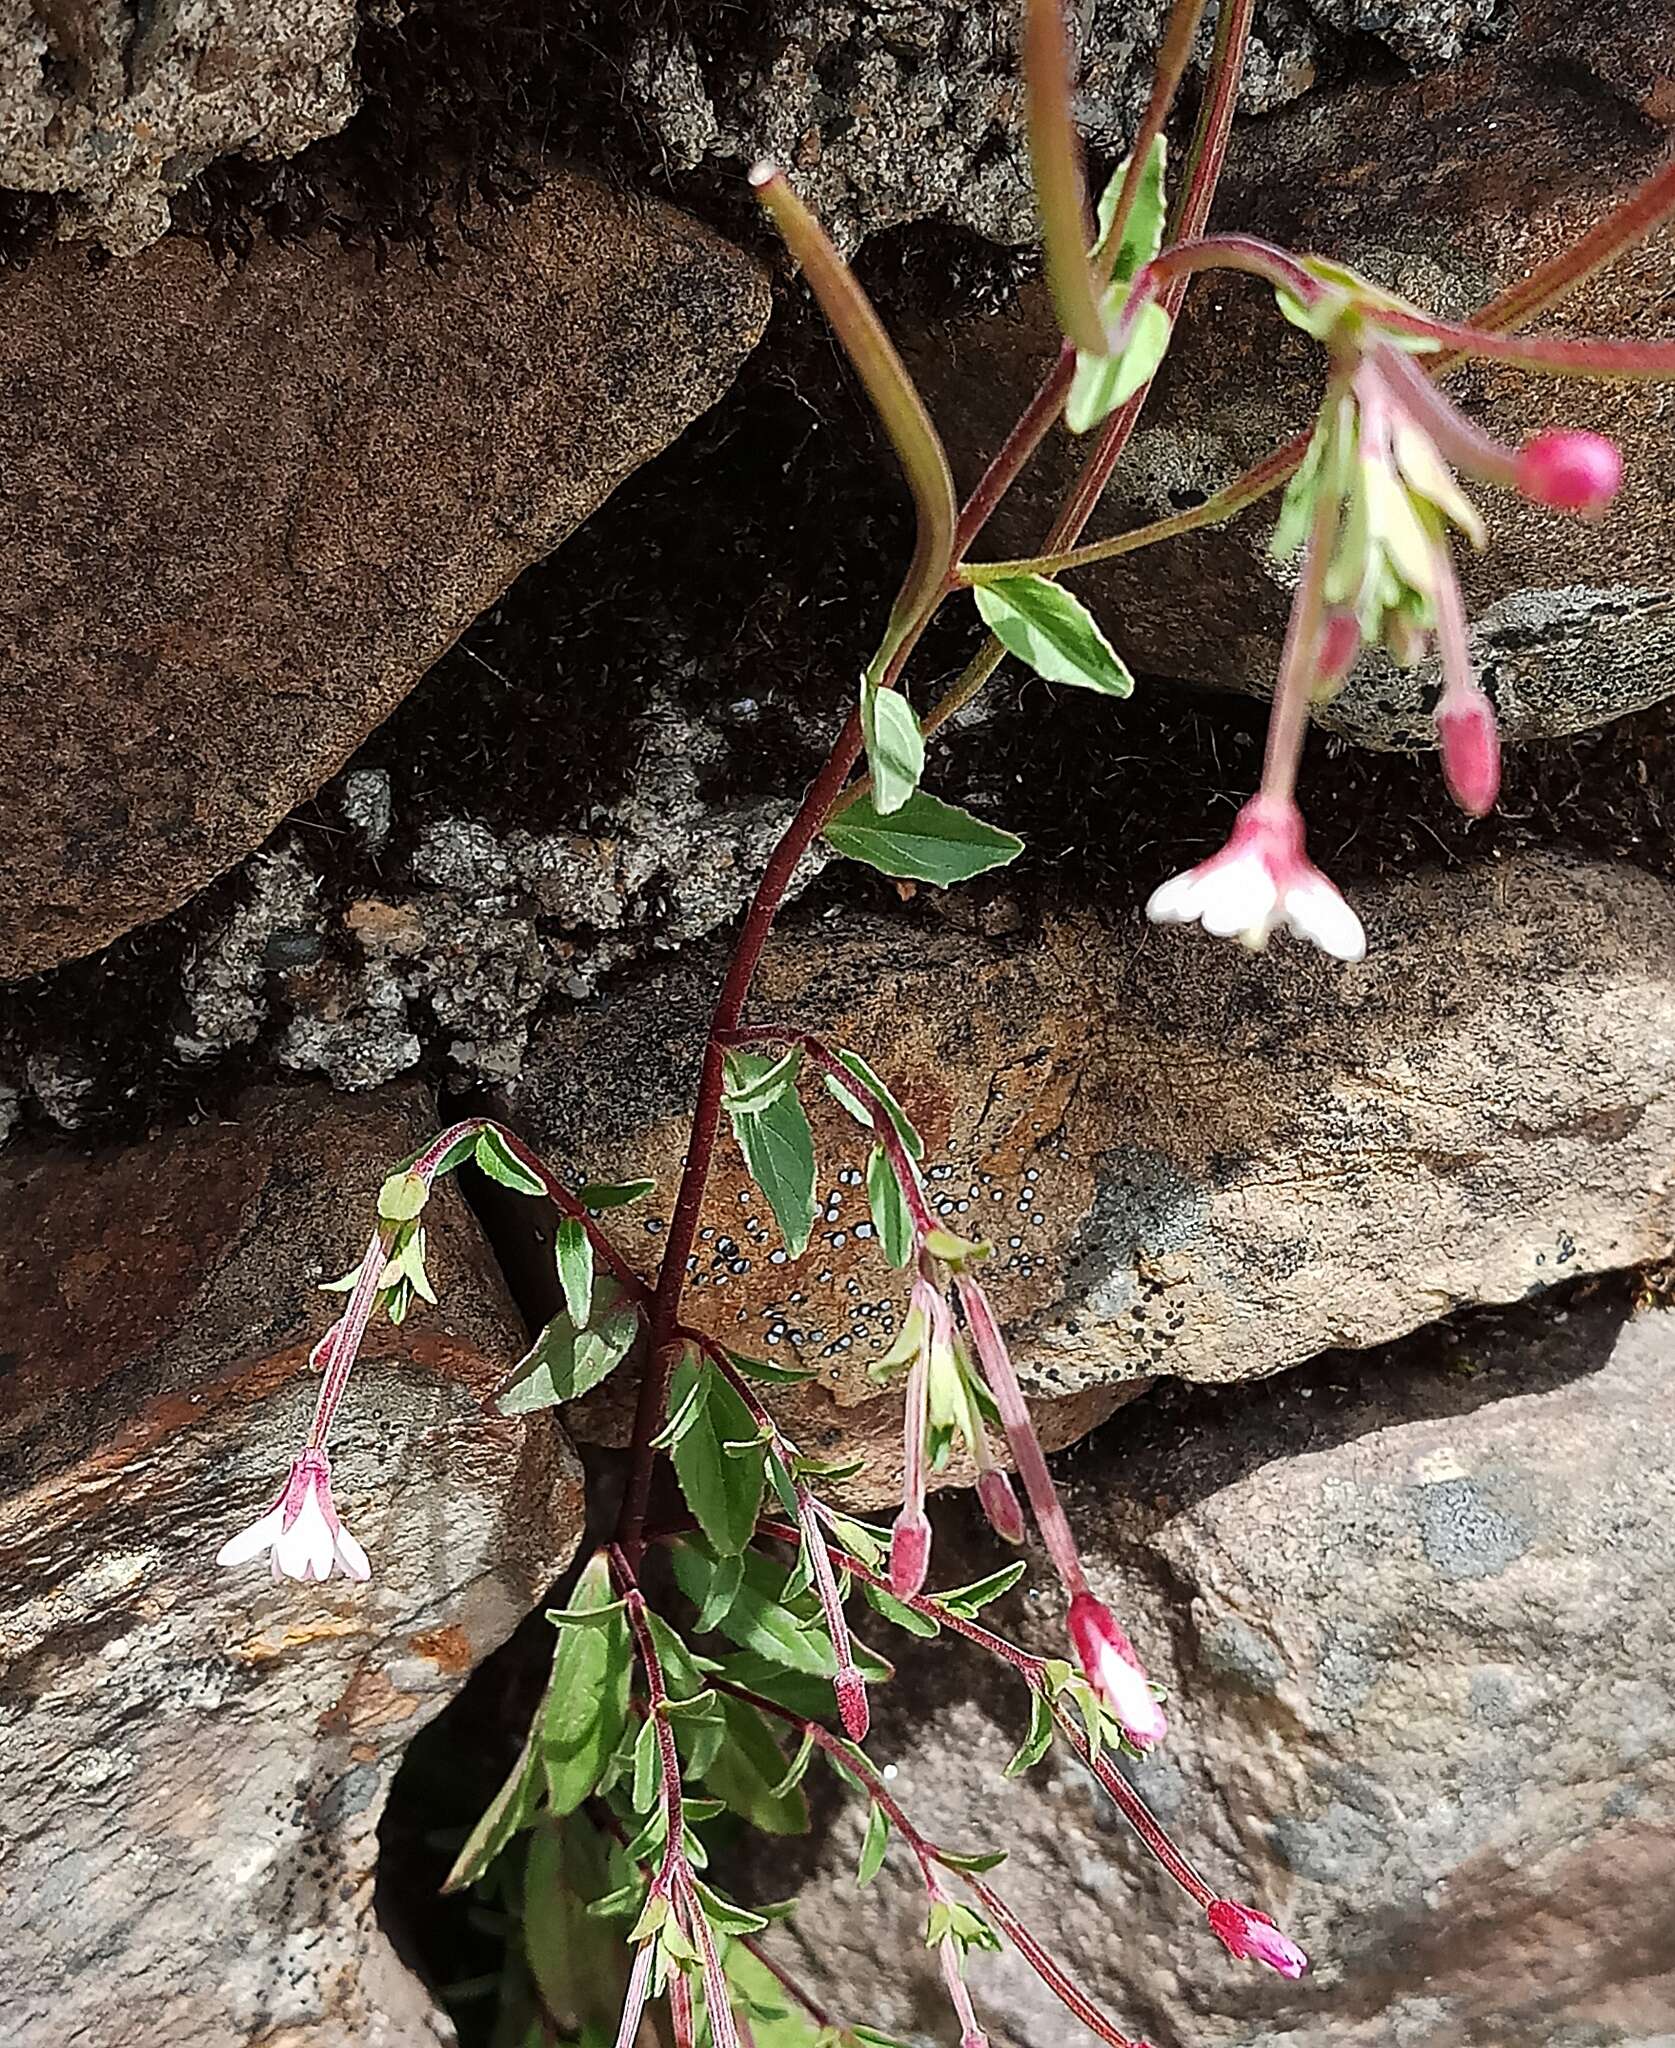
(910, 1554)
(1469, 740)
(1570, 470)
(1115, 1672)
(1253, 1938)
(1000, 1504)
(853, 1710)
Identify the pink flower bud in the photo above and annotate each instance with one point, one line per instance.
(853, 1710)
(1570, 470)
(1000, 1504)
(1253, 1938)
(1340, 642)
(910, 1554)
(1471, 750)
(1114, 1672)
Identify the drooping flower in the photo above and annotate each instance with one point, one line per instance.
(1115, 1672)
(1253, 1938)
(301, 1532)
(1262, 878)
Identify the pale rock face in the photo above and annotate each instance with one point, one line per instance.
(196, 1759)
(1420, 1668)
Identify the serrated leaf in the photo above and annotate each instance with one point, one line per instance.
(873, 1845)
(401, 1197)
(1054, 632)
(925, 841)
(895, 745)
(723, 1488)
(585, 1712)
(565, 1361)
(778, 1149)
(758, 1618)
(1038, 1741)
(969, 1601)
(862, 1103)
(754, 1082)
(905, 1618)
(1102, 383)
(888, 1205)
(574, 1251)
(609, 1194)
(513, 1808)
(749, 1772)
(500, 1163)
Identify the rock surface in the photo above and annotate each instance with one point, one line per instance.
(248, 510)
(1421, 1664)
(1445, 189)
(196, 1760)
(113, 105)
(897, 111)
(1191, 1162)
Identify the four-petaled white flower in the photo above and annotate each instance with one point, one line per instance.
(1260, 880)
(301, 1531)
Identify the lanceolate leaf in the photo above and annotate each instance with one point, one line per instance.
(1102, 383)
(748, 1771)
(1038, 1741)
(876, 1841)
(604, 1194)
(895, 746)
(500, 1163)
(889, 1209)
(566, 1360)
(778, 1149)
(925, 841)
(1054, 632)
(722, 1488)
(575, 1268)
(586, 1709)
(862, 1103)
(512, 1808)
(758, 1618)
(754, 1084)
(1142, 234)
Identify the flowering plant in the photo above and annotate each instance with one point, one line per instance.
(712, 1688)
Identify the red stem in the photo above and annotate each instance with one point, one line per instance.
(1046, 1965)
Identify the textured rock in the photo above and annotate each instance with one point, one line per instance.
(196, 1760)
(1191, 1162)
(247, 511)
(113, 104)
(1421, 1664)
(894, 111)
(1446, 189)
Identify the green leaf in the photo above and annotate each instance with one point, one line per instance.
(892, 1610)
(862, 1104)
(727, 1916)
(986, 1859)
(754, 1082)
(566, 1361)
(749, 1772)
(586, 1709)
(969, 1601)
(890, 1216)
(573, 1957)
(647, 1764)
(606, 1194)
(876, 1841)
(724, 1490)
(513, 1808)
(1038, 1741)
(401, 1197)
(770, 1375)
(778, 1149)
(1142, 235)
(925, 841)
(1054, 632)
(724, 1587)
(895, 745)
(1102, 383)
(869, 1545)
(574, 1249)
(758, 1618)
(501, 1164)
(682, 1675)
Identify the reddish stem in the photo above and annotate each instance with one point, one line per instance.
(1046, 1965)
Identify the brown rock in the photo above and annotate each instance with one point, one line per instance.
(245, 511)
(196, 1760)
(1445, 189)
(1191, 1162)
(1420, 1662)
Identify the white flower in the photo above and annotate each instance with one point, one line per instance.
(1260, 880)
(301, 1531)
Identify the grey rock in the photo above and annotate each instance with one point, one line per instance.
(225, 979)
(367, 804)
(114, 105)
(1473, 1843)
(888, 113)
(196, 1760)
